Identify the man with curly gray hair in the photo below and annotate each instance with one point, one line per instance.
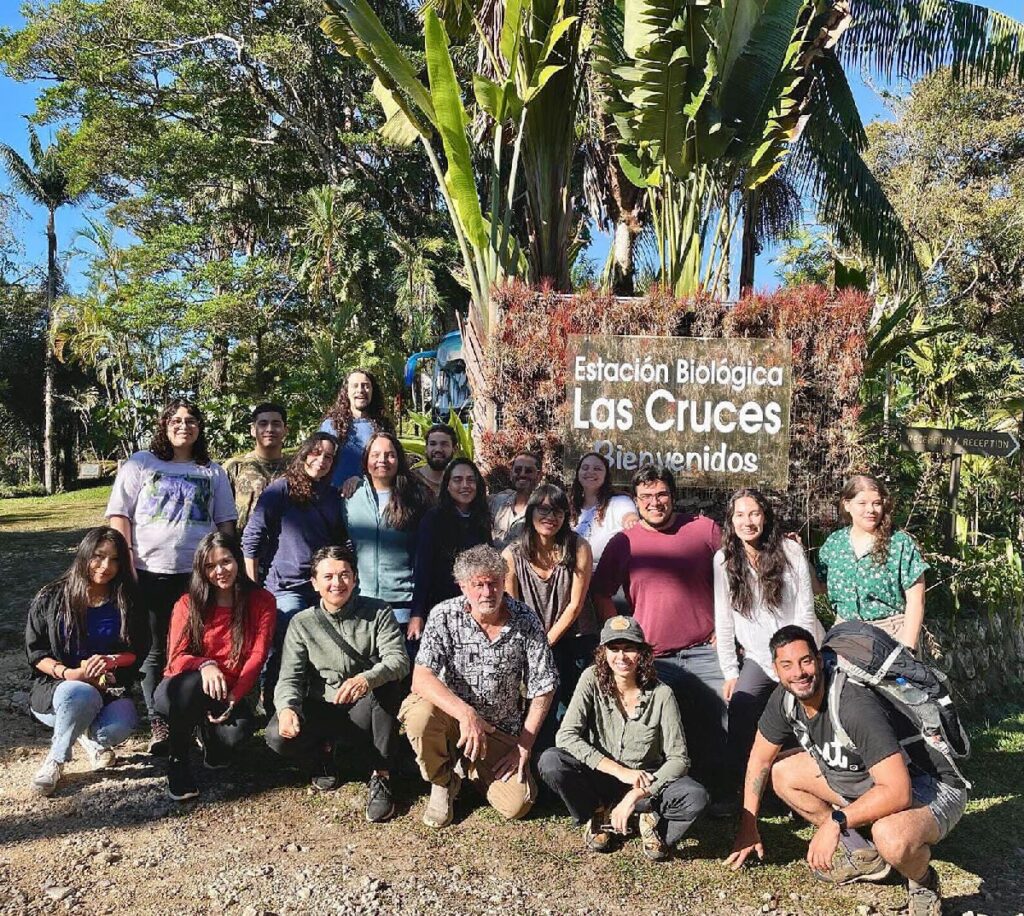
(480, 655)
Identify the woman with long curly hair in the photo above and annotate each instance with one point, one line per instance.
(294, 517)
(460, 520)
(762, 583)
(383, 518)
(621, 749)
(871, 572)
(221, 631)
(357, 413)
(165, 500)
(84, 639)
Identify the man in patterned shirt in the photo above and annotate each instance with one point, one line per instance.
(479, 656)
(250, 473)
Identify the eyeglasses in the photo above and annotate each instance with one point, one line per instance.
(549, 512)
(650, 499)
(190, 422)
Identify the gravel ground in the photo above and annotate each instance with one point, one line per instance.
(259, 841)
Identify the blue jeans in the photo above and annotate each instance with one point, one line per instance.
(696, 679)
(78, 709)
(289, 604)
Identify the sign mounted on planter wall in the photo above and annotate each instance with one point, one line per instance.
(713, 411)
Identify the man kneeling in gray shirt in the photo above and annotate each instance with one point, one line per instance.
(341, 680)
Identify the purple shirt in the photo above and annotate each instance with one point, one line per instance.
(669, 578)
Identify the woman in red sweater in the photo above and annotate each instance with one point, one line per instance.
(220, 634)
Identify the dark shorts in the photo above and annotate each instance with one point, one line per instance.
(946, 802)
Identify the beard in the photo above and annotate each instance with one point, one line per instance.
(437, 463)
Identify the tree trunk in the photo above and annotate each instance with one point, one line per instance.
(219, 364)
(48, 367)
(748, 259)
(622, 259)
(484, 415)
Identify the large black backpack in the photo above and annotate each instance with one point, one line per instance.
(859, 652)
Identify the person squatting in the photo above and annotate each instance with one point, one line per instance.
(642, 665)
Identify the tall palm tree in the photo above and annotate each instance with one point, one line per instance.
(47, 182)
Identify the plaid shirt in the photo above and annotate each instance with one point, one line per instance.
(492, 677)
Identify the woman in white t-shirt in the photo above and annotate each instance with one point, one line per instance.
(165, 501)
(598, 512)
(762, 583)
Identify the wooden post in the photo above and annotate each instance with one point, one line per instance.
(951, 496)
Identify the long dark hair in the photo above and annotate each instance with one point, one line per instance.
(161, 445)
(604, 494)
(479, 512)
(883, 531)
(340, 413)
(646, 676)
(201, 595)
(302, 487)
(408, 496)
(565, 537)
(771, 559)
(73, 585)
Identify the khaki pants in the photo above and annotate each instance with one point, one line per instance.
(434, 735)
(894, 627)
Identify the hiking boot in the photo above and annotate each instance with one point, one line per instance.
(653, 845)
(45, 781)
(440, 808)
(859, 865)
(100, 757)
(924, 897)
(160, 737)
(181, 784)
(596, 839)
(380, 803)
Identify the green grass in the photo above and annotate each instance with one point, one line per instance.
(38, 535)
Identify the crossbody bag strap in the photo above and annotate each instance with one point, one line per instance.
(332, 633)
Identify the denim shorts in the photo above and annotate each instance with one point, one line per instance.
(946, 802)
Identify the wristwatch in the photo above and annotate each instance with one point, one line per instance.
(840, 818)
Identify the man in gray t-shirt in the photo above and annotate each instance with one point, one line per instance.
(480, 654)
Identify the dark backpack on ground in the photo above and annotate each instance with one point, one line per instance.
(859, 652)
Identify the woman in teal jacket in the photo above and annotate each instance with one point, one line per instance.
(382, 518)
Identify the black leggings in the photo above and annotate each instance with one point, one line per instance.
(157, 594)
(584, 790)
(370, 723)
(181, 701)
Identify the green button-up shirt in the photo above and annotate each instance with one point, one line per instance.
(651, 739)
(861, 589)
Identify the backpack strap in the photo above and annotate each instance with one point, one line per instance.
(834, 694)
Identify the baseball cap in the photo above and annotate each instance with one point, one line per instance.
(622, 629)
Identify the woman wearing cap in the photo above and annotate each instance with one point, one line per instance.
(619, 707)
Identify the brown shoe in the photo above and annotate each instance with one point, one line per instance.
(859, 865)
(440, 808)
(924, 898)
(653, 845)
(596, 839)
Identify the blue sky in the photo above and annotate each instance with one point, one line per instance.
(18, 99)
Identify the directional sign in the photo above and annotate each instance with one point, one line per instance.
(959, 441)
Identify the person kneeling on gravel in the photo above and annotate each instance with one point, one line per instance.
(480, 654)
(893, 786)
(342, 669)
(621, 750)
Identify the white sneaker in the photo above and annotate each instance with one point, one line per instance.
(100, 757)
(45, 781)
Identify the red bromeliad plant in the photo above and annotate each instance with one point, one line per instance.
(526, 371)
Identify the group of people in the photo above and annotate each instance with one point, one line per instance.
(634, 657)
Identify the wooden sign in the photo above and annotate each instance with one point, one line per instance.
(959, 441)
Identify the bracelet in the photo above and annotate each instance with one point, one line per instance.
(61, 675)
(209, 661)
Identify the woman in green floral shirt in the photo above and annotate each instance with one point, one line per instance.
(871, 572)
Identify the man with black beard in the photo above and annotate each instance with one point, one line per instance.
(440, 446)
(880, 778)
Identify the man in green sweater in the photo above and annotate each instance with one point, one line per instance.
(342, 668)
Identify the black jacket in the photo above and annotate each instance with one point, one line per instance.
(42, 640)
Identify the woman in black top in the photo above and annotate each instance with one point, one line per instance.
(460, 520)
(84, 642)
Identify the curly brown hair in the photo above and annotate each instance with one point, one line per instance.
(646, 676)
(604, 494)
(161, 444)
(302, 489)
(340, 413)
(883, 532)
